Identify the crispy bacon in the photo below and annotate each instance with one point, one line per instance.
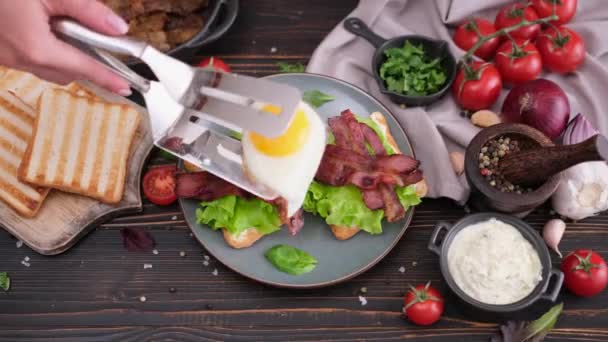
(398, 163)
(393, 210)
(348, 162)
(357, 140)
(373, 140)
(204, 186)
(296, 222)
(373, 199)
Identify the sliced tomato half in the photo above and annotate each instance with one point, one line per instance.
(159, 184)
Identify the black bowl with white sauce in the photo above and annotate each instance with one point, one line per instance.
(496, 264)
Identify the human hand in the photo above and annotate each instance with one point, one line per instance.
(27, 42)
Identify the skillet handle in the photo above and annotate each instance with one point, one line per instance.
(230, 8)
(556, 287)
(439, 227)
(357, 27)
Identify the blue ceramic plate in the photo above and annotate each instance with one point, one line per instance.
(337, 260)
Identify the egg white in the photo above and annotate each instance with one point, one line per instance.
(291, 175)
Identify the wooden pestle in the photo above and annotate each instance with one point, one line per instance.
(535, 166)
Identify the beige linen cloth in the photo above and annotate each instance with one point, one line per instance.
(439, 129)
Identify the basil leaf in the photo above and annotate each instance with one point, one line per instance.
(5, 281)
(291, 260)
(316, 98)
(291, 68)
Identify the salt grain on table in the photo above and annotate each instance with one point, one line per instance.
(402, 269)
(206, 257)
(19, 243)
(174, 218)
(414, 263)
(363, 300)
(155, 251)
(214, 272)
(142, 299)
(25, 263)
(146, 266)
(205, 263)
(273, 49)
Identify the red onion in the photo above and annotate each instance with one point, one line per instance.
(541, 104)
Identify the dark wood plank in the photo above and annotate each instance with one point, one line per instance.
(93, 292)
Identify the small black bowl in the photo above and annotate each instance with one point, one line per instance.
(433, 47)
(490, 312)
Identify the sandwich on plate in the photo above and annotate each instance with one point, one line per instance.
(286, 164)
(363, 177)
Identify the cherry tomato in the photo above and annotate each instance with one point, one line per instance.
(518, 61)
(514, 14)
(466, 36)
(477, 86)
(159, 185)
(565, 9)
(215, 63)
(423, 305)
(585, 273)
(562, 52)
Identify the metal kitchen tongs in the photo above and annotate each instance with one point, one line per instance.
(193, 111)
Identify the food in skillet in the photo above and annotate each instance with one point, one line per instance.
(286, 164)
(164, 24)
(363, 177)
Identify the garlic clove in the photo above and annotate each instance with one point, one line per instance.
(553, 231)
(485, 118)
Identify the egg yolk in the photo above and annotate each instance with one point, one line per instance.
(289, 142)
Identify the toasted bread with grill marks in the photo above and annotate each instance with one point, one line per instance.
(80, 145)
(16, 129)
(28, 87)
(345, 233)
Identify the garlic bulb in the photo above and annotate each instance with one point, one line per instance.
(583, 190)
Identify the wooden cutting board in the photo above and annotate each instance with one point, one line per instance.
(64, 218)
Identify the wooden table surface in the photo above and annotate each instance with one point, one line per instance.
(93, 292)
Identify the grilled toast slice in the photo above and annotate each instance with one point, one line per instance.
(243, 240)
(16, 129)
(28, 87)
(80, 145)
(345, 233)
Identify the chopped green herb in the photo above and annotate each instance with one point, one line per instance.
(316, 98)
(529, 331)
(5, 281)
(409, 71)
(291, 67)
(291, 260)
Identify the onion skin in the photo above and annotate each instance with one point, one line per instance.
(541, 104)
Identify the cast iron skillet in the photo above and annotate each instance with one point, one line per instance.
(434, 48)
(488, 312)
(219, 16)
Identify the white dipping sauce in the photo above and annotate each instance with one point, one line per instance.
(493, 263)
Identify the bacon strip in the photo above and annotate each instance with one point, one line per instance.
(373, 140)
(205, 187)
(393, 210)
(348, 162)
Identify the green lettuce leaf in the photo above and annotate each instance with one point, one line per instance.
(407, 196)
(237, 214)
(342, 206)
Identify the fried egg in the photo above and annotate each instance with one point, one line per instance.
(287, 164)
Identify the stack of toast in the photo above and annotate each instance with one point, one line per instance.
(60, 137)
